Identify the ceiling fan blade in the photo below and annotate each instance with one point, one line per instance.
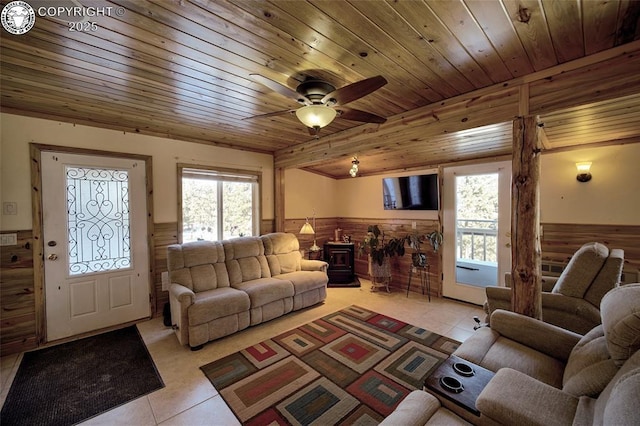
(271, 114)
(280, 88)
(353, 91)
(357, 115)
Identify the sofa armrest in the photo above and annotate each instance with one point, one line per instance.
(416, 409)
(571, 305)
(180, 298)
(313, 265)
(541, 336)
(548, 282)
(512, 397)
(181, 293)
(497, 298)
(568, 312)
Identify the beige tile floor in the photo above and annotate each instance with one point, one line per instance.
(188, 398)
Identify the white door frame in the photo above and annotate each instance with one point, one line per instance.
(451, 288)
(36, 151)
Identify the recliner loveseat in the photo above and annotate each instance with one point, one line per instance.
(546, 375)
(221, 287)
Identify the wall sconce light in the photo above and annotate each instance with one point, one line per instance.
(583, 171)
(354, 167)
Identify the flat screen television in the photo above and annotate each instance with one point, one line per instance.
(418, 192)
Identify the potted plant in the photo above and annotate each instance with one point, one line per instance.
(374, 245)
(418, 258)
(380, 251)
(435, 239)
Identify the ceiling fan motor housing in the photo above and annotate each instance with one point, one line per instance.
(314, 90)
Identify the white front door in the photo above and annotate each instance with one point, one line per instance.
(96, 263)
(476, 223)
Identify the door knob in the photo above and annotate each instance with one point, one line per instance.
(52, 256)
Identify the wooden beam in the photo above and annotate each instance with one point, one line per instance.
(546, 91)
(526, 256)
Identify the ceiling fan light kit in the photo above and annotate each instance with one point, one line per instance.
(316, 116)
(320, 97)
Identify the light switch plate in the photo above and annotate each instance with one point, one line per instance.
(165, 281)
(9, 240)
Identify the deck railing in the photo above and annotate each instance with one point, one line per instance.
(477, 239)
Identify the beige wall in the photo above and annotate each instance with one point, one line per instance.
(359, 197)
(611, 197)
(17, 132)
(362, 197)
(306, 192)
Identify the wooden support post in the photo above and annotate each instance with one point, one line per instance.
(526, 291)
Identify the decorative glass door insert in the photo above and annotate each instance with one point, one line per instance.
(97, 219)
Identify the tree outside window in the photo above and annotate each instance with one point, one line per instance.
(218, 204)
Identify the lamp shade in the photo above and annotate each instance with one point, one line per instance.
(307, 229)
(316, 116)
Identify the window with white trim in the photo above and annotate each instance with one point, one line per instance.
(217, 204)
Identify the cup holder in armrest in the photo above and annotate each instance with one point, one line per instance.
(451, 384)
(463, 369)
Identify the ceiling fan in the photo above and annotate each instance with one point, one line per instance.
(322, 102)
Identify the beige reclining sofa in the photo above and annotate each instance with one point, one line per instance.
(546, 375)
(221, 287)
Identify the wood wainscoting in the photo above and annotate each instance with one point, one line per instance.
(561, 240)
(357, 229)
(164, 235)
(17, 295)
(400, 266)
(17, 302)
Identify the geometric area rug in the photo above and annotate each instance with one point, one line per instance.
(74, 381)
(350, 367)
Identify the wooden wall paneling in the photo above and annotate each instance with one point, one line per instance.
(561, 240)
(165, 234)
(401, 267)
(267, 226)
(325, 227)
(17, 296)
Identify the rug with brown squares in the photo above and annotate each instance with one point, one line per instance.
(350, 367)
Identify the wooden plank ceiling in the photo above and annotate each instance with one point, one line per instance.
(181, 69)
